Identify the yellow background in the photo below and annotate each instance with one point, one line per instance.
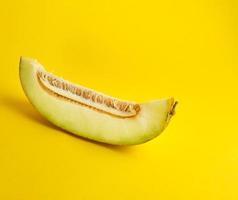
(135, 50)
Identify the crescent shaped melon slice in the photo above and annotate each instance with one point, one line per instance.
(91, 114)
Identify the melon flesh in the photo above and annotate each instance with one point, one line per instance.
(92, 120)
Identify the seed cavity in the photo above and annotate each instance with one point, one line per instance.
(83, 96)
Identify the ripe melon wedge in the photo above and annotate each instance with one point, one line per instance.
(90, 114)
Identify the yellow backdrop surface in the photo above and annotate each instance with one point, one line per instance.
(135, 50)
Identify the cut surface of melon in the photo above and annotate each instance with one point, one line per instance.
(90, 114)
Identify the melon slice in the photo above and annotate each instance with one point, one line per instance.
(90, 114)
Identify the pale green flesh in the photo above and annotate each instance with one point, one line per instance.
(89, 123)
